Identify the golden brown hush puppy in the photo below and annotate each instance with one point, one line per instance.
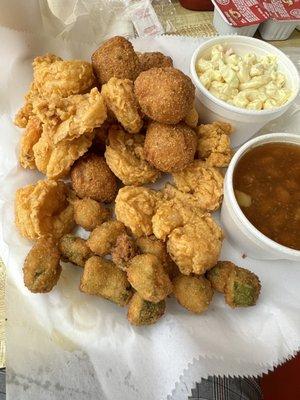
(193, 293)
(88, 213)
(115, 58)
(143, 312)
(165, 94)
(154, 59)
(104, 237)
(41, 267)
(147, 276)
(102, 278)
(74, 249)
(91, 177)
(170, 148)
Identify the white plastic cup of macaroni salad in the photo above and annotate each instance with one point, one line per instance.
(238, 229)
(245, 122)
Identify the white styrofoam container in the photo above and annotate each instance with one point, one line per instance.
(224, 28)
(277, 30)
(238, 229)
(245, 122)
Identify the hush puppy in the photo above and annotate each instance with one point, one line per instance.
(147, 276)
(165, 95)
(193, 293)
(143, 312)
(41, 267)
(170, 148)
(115, 58)
(103, 237)
(102, 278)
(123, 251)
(154, 59)
(88, 213)
(91, 177)
(74, 249)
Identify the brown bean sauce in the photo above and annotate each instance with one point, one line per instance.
(269, 175)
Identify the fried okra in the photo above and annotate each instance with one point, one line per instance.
(88, 213)
(102, 278)
(103, 237)
(147, 276)
(74, 249)
(143, 312)
(193, 293)
(219, 274)
(41, 267)
(123, 251)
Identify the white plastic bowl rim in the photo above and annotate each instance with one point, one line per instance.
(245, 39)
(258, 141)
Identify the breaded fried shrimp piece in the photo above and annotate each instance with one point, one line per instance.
(148, 277)
(154, 59)
(41, 267)
(115, 58)
(102, 278)
(193, 293)
(205, 182)
(74, 249)
(214, 143)
(125, 157)
(103, 238)
(143, 312)
(88, 213)
(91, 177)
(170, 148)
(219, 274)
(123, 251)
(165, 95)
(120, 99)
(135, 207)
(29, 138)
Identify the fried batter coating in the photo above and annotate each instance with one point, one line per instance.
(91, 177)
(26, 112)
(242, 288)
(154, 59)
(143, 312)
(103, 238)
(204, 182)
(151, 245)
(88, 213)
(170, 148)
(195, 247)
(74, 249)
(125, 157)
(165, 95)
(41, 267)
(135, 207)
(219, 274)
(193, 293)
(214, 143)
(123, 251)
(100, 138)
(147, 276)
(43, 208)
(120, 99)
(102, 278)
(30, 137)
(192, 118)
(115, 58)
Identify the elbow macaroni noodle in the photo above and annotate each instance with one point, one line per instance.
(250, 81)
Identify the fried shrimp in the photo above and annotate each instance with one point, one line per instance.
(41, 267)
(120, 99)
(74, 249)
(170, 148)
(115, 58)
(143, 312)
(165, 95)
(30, 137)
(125, 157)
(204, 182)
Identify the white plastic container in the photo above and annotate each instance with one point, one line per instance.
(240, 232)
(277, 30)
(224, 28)
(245, 122)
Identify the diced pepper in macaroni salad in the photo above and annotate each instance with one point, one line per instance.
(248, 81)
